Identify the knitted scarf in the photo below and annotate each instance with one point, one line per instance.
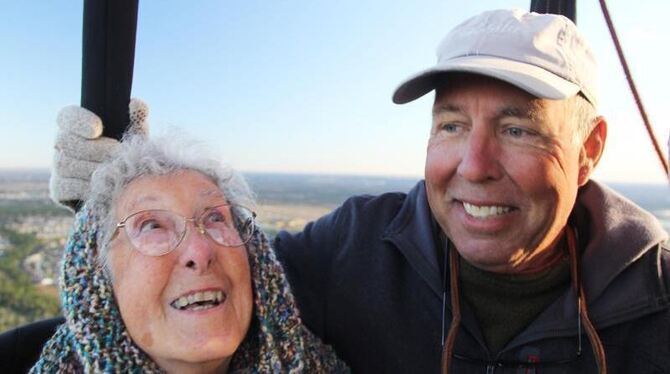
(94, 338)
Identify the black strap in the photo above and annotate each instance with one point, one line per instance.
(108, 55)
(567, 8)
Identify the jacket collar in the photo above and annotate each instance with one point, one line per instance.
(411, 230)
(615, 234)
(619, 281)
(619, 233)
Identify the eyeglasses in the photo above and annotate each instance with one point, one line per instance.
(156, 232)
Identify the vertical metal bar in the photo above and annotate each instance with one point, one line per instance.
(567, 8)
(109, 31)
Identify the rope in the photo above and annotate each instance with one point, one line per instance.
(631, 84)
(575, 274)
(583, 314)
(448, 351)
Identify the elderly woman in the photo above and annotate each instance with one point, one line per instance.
(165, 270)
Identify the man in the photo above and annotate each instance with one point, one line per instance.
(536, 266)
(507, 258)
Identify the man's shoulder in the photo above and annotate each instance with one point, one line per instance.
(358, 215)
(657, 265)
(616, 228)
(379, 205)
(378, 210)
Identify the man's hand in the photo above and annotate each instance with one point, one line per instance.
(80, 148)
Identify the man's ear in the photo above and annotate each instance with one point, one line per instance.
(592, 150)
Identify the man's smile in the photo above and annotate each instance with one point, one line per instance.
(485, 211)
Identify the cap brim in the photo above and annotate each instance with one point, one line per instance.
(530, 78)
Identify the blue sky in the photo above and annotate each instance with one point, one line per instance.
(288, 86)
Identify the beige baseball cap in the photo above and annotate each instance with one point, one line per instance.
(543, 54)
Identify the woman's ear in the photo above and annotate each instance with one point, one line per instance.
(592, 150)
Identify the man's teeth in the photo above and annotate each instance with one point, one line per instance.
(484, 211)
(199, 300)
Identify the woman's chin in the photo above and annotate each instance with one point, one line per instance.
(193, 346)
(205, 346)
(194, 364)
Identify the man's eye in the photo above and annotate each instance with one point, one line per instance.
(449, 127)
(517, 132)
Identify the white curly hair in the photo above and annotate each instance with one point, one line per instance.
(139, 156)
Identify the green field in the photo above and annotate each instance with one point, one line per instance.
(21, 301)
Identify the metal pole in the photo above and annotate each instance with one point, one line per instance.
(107, 61)
(567, 8)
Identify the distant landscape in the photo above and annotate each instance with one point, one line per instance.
(33, 229)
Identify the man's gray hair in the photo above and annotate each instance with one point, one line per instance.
(138, 156)
(583, 114)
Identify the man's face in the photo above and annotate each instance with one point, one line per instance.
(502, 173)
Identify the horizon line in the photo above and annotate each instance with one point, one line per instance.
(4, 169)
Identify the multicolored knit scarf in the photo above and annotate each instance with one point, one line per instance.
(94, 338)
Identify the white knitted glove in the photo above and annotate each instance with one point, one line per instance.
(80, 148)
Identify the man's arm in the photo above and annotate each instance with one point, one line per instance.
(21, 347)
(307, 258)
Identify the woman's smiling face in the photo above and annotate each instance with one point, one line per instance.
(215, 280)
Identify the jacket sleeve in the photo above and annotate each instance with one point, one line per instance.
(20, 347)
(307, 258)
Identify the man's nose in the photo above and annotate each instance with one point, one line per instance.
(198, 253)
(480, 157)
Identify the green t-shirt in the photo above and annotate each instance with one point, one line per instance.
(505, 304)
